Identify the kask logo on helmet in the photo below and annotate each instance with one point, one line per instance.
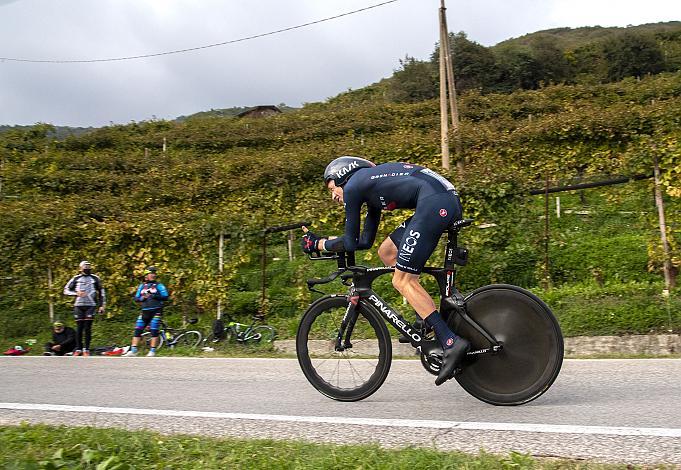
(347, 169)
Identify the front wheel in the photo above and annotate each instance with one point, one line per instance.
(260, 334)
(188, 339)
(532, 352)
(355, 372)
(145, 341)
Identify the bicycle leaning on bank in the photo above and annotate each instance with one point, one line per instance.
(345, 350)
(254, 333)
(173, 337)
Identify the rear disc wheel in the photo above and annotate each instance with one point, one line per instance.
(532, 352)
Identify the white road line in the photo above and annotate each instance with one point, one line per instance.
(401, 423)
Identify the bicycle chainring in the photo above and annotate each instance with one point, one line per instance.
(432, 363)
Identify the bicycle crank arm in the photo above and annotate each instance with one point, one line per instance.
(493, 350)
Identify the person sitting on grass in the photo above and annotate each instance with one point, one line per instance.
(63, 340)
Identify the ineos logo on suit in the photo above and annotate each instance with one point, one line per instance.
(409, 245)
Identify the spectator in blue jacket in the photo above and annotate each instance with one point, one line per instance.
(150, 295)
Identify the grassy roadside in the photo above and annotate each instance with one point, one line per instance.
(52, 447)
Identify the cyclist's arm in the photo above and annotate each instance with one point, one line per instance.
(101, 293)
(70, 287)
(366, 239)
(351, 239)
(161, 292)
(138, 293)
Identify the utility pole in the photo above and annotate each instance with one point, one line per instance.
(444, 129)
(2, 171)
(221, 258)
(669, 280)
(263, 265)
(50, 301)
(451, 85)
(546, 274)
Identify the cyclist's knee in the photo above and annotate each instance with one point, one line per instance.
(403, 281)
(388, 252)
(155, 326)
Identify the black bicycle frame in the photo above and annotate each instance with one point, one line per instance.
(452, 302)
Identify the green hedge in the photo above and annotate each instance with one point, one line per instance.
(615, 309)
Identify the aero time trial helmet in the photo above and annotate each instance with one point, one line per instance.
(342, 168)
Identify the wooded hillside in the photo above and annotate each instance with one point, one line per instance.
(113, 196)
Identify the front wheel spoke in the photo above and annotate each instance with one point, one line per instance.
(355, 373)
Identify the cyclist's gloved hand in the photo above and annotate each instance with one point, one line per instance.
(309, 242)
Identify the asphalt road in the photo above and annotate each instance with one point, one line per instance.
(625, 411)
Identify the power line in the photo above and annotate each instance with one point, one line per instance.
(190, 49)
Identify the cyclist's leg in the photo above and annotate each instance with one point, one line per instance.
(87, 328)
(419, 240)
(154, 327)
(388, 249)
(388, 254)
(140, 324)
(79, 317)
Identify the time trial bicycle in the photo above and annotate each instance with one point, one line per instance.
(345, 350)
(254, 333)
(173, 337)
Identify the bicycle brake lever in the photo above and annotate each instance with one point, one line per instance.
(320, 256)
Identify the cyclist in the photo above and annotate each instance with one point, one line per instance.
(150, 294)
(90, 295)
(355, 182)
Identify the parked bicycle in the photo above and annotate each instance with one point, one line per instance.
(233, 331)
(345, 350)
(172, 337)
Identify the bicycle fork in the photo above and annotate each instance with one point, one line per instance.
(348, 323)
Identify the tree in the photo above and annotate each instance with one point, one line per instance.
(474, 65)
(632, 54)
(551, 59)
(416, 80)
(517, 68)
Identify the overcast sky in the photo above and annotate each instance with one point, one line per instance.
(294, 67)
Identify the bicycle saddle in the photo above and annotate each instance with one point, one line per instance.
(459, 224)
